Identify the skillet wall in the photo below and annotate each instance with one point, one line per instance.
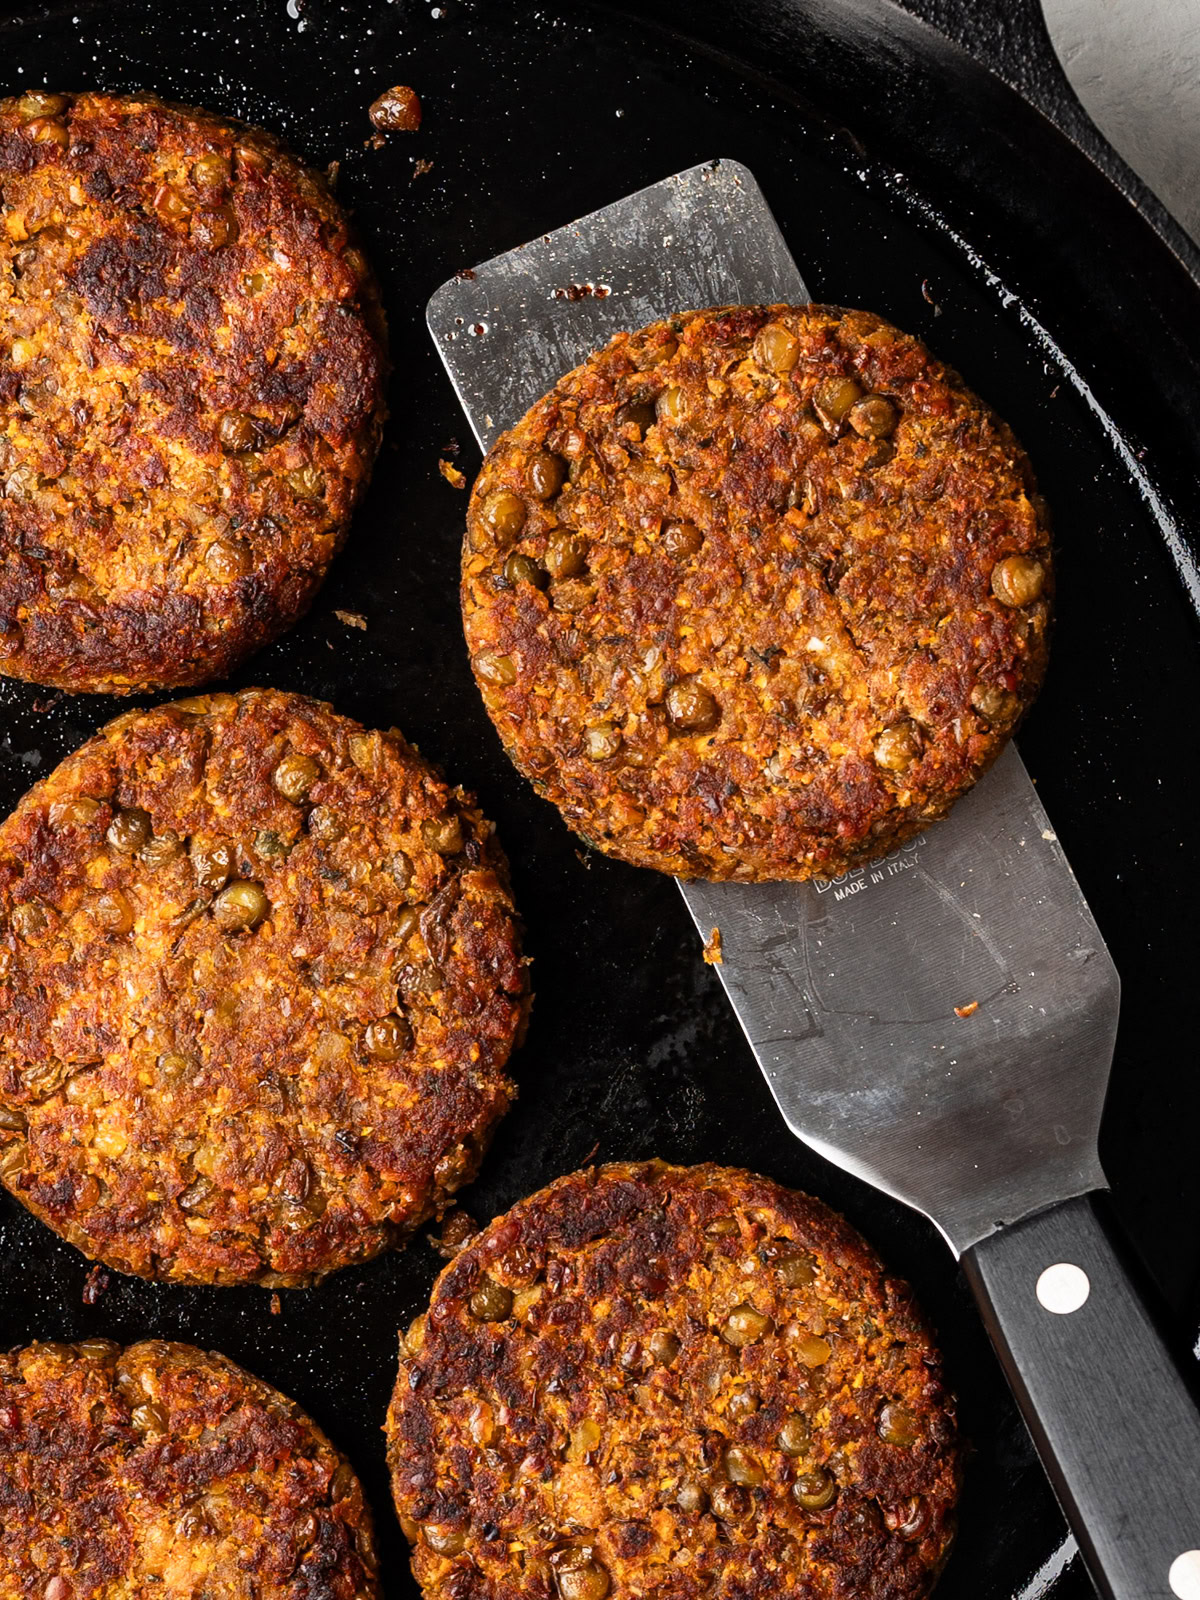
(871, 139)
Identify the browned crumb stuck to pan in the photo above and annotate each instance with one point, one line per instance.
(397, 110)
(259, 979)
(191, 390)
(672, 1381)
(757, 592)
(160, 1469)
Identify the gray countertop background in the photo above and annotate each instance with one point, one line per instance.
(1135, 65)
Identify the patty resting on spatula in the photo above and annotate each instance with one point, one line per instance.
(756, 592)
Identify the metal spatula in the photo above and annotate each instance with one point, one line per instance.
(941, 1023)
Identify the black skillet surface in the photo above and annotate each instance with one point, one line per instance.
(906, 180)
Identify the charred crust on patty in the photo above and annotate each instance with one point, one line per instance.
(125, 1469)
(260, 976)
(756, 592)
(656, 1377)
(192, 359)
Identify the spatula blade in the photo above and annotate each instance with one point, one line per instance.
(507, 330)
(941, 1023)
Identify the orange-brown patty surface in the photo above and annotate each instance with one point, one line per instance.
(161, 1470)
(757, 592)
(191, 390)
(259, 979)
(674, 1382)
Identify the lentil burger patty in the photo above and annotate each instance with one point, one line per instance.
(656, 1380)
(259, 980)
(756, 593)
(191, 390)
(161, 1469)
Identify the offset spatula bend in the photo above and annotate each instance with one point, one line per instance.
(940, 1023)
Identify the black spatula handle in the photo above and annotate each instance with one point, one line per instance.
(1117, 1429)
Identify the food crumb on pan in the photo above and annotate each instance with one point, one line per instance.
(451, 474)
(276, 1304)
(420, 168)
(967, 1010)
(457, 1231)
(94, 1285)
(582, 291)
(396, 110)
(712, 949)
(351, 619)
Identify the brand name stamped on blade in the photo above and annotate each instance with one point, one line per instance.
(859, 878)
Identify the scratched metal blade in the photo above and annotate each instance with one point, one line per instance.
(941, 1023)
(514, 325)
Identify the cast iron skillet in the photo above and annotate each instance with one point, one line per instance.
(909, 180)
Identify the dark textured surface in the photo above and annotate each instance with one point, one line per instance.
(882, 157)
(1012, 38)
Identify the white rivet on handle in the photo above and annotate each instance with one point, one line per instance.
(1184, 1576)
(1063, 1288)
